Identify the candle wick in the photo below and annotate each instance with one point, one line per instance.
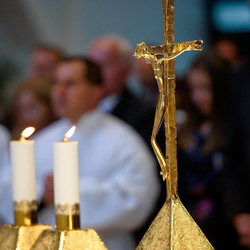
(65, 139)
(22, 138)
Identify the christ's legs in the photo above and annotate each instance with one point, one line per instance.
(159, 116)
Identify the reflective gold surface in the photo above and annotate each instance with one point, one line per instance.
(19, 238)
(173, 228)
(163, 64)
(67, 216)
(25, 213)
(166, 103)
(67, 222)
(70, 240)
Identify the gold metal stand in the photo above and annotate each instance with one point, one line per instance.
(19, 238)
(69, 240)
(174, 228)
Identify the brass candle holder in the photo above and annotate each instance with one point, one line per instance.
(25, 213)
(24, 234)
(68, 234)
(67, 217)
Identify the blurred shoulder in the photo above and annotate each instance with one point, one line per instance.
(138, 104)
(114, 124)
(4, 133)
(121, 130)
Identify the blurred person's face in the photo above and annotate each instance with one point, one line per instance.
(227, 50)
(114, 71)
(31, 111)
(72, 94)
(201, 94)
(43, 64)
(146, 74)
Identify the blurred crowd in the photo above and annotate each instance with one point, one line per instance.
(121, 189)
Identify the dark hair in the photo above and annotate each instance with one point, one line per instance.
(58, 52)
(220, 75)
(93, 72)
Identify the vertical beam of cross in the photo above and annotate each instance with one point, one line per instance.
(169, 83)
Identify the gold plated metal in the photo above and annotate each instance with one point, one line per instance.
(69, 240)
(19, 238)
(67, 222)
(25, 213)
(67, 216)
(68, 236)
(163, 107)
(173, 228)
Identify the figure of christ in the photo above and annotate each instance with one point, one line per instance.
(149, 54)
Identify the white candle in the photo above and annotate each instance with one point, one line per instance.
(66, 172)
(23, 168)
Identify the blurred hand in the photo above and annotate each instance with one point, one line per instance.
(48, 196)
(242, 225)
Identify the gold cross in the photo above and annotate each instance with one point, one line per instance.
(173, 228)
(164, 71)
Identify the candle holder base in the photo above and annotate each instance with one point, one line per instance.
(69, 239)
(20, 237)
(174, 228)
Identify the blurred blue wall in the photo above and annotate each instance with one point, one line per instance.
(73, 24)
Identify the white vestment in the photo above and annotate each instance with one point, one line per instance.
(118, 181)
(4, 142)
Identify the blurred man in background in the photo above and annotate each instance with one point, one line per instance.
(146, 77)
(114, 56)
(43, 61)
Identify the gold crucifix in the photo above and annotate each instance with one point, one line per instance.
(170, 52)
(173, 228)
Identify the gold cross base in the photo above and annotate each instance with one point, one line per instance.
(70, 240)
(22, 238)
(174, 229)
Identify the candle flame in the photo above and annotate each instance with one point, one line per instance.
(27, 132)
(70, 133)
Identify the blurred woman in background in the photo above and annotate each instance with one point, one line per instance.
(201, 142)
(31, 106)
